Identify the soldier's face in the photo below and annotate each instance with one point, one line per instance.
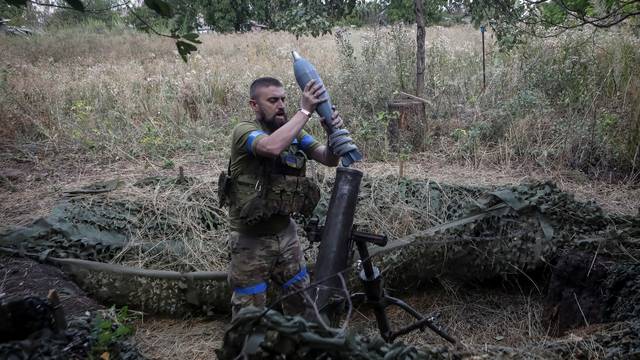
(269, 106)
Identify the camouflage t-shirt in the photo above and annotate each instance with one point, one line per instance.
(244, 161)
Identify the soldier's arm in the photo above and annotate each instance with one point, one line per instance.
(272, 145)
(323, 153)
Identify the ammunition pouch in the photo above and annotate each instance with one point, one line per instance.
(258, 199)
(224, 187)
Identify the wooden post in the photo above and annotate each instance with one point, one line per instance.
(413, 130)
(58, 312)
(420, 48)
(401, 129)
(484, 77)
(406, 131)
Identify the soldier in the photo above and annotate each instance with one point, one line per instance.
(266, 183)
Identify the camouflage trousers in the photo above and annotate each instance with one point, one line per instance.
(260, 261)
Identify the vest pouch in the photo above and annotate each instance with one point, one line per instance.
(224, 187)
(247, 198)
(293, 194)
(300, 194)
(284, 195)
(311, 198)
(255, 210)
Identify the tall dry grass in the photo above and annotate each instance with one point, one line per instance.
(570, 101)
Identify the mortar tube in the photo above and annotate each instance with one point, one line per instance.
(333, 255)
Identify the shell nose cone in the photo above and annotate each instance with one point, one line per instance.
(295, 55)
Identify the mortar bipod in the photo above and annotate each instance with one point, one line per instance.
(374, 294)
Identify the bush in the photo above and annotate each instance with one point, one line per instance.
(569, 101)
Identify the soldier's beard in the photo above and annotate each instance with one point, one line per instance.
(274, 122)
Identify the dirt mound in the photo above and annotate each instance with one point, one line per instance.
(24, 277)
(587, 289)
(63, 327)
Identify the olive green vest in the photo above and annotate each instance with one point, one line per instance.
(277, 187)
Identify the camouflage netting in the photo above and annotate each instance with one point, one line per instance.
(518, 229)
(153, 291)
(175, 224)
(159, 223)
(257, 334)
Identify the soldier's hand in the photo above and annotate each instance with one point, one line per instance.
(312, 95)
(336, 120)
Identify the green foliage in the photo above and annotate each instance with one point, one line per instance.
(76, 5)
(571, 101)
(229, 15)
(185, 48)
(511, 20)
(404, 10)
(553, 14)
(17, 3)
(61, 18)
(160, 7)
(168, 164)
(12, 10)
(109, 327)
(144, 18)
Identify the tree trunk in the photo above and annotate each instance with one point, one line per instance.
(420, 50)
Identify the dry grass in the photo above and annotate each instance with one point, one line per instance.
(612, 197)
(477, 318)
(178, 227)
(179, 339)
(481, 319)
(128, 95)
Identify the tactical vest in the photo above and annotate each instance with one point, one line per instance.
(279, 186)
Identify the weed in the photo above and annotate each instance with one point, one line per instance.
(109, 327)
(570, 101)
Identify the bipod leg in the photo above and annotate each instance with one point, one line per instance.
(358, 298)
(420, 324)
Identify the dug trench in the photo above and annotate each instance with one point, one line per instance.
(581, 307)
(503, 284)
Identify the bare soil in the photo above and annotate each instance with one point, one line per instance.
(23, 277)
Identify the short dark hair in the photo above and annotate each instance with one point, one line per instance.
(262, 82)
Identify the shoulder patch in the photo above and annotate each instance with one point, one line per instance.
(252, 136)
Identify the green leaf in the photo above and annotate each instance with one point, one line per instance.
(17, 3)
(122, 331)
(185, 48)
(553, 14)
(160, 7)
(105, 338)
(104, 324)
(193, 37)
(75, 4)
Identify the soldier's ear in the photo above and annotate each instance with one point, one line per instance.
(253, 104)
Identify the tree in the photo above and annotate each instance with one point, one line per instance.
(404, 10)
(314, 17)
(511, 19)
(420, 48)
(103, 11)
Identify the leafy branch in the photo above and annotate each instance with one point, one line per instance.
(550, 18)
(185, 43)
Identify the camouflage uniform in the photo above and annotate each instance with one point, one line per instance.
(256, 259)
(261, 193)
